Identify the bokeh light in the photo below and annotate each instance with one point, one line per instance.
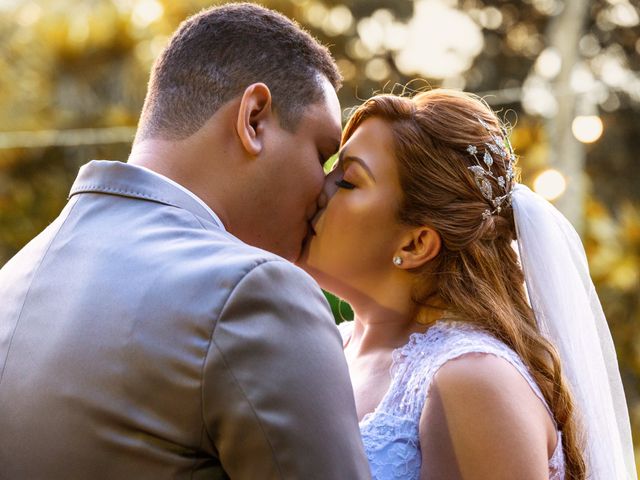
(146, 12)
(550, 184)
(587, 128)
(549, 63)
(442, 41)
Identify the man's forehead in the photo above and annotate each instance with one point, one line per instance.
(333, 103)
(327, 114)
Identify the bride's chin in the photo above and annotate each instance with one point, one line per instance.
(325, 278)
(307, 263)
(310, 262)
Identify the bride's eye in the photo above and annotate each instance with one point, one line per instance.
(345, 184)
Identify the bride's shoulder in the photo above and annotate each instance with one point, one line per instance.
(474, 360)
(489, 411)
(479, 371)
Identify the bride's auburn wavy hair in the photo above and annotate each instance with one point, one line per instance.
(477, 273)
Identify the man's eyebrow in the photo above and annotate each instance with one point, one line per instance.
(352, 158)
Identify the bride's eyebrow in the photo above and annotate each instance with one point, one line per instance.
(344, 159)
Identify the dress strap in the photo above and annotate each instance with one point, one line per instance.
(465, 338)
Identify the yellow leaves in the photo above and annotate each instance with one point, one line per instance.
(70, 29)
(613, 245)
(119, 115)
(625, 274)
(631, 224)
(52, 30)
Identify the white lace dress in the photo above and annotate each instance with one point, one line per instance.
(390, 432)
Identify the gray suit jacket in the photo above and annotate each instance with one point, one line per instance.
(138, 340)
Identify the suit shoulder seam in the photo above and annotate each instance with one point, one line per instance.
(26, 296)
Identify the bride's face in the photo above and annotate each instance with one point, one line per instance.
(357, 233)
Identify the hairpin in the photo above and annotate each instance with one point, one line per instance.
(500, 147)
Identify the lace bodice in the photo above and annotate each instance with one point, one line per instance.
(390, 432)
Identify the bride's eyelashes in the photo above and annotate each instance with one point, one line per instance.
(344, 184)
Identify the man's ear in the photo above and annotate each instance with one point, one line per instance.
(254, 111)
(418, 247)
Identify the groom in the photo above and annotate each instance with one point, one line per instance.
(140, 335)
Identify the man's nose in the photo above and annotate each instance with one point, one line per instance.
(329, 188)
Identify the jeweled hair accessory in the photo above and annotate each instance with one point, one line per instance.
(500, 147)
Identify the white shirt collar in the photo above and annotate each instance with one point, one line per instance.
(215, 217)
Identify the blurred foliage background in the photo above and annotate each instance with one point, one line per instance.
(566, 74)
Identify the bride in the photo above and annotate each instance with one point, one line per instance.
(470, 359)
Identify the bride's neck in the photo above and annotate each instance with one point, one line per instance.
(377, 327)
(387, 314)
(378, 334)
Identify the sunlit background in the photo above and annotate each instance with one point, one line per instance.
(565, 74)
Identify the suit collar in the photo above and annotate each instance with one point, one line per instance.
(122, 179)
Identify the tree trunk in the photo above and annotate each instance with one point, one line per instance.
(565, 152)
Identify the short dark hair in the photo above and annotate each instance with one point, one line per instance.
(215, 54)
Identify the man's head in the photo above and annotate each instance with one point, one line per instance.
(217, 53)
(242, 110)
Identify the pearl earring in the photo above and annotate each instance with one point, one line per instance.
(397, 261)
